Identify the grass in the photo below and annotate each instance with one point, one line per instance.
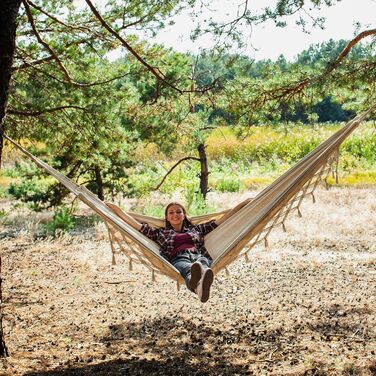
(358, 179)
(5, 180)
(286, 145)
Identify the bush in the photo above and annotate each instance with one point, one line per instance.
(229, 185)
(3, 193)
(33, 191)
(361, 146)
(3, 214)
(194, 201)
(62, 221)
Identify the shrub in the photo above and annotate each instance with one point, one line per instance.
(3, 214)
(62, 221)
(361, 146)
(32, 190)
(3, 193)
(229, 185)
(194, 202)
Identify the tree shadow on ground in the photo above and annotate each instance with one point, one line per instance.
(170, 367)
(176, 346)
(341, 322)
(186, 346)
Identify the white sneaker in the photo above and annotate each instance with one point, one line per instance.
(203, 287)
(196, 274)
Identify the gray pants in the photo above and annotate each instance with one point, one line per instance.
(184, 260)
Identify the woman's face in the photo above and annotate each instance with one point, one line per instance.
(175, 215)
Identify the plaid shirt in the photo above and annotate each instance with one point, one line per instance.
(165, 237)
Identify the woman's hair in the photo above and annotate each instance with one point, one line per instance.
(186, 221)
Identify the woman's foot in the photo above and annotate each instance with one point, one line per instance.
(196, 274)
(203, 287)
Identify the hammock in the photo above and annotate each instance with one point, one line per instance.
(235, 237)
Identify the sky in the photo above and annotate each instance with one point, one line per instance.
(267, 41)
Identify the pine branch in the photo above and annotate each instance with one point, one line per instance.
(53, 54)
(287, 92)
(32, 63)
(155, 71)
(333, 65)
(43, 43)
(47, 110)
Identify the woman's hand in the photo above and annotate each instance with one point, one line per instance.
(124, 216)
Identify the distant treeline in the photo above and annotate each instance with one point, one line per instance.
(324, 107)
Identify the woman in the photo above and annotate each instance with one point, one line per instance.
(182, 244)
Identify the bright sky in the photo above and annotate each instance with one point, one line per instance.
(269, 41)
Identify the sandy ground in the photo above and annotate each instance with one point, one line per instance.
(305, 306)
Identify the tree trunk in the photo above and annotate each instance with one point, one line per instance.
(99, 181)
(3, 347)
(8, 15)
(204, 174)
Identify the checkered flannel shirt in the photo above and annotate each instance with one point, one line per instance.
(166, 237)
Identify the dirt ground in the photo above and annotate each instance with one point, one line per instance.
(304, 306)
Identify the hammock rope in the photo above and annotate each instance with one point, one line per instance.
(235, 237)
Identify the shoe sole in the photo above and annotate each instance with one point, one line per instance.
(206, 284)
(196, 273)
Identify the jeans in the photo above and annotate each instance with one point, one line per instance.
(183, 263)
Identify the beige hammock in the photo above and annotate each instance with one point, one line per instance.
(236, 236)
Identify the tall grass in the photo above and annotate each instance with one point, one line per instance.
(266, 152)
(267, 143)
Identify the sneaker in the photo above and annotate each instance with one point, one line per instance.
(196, 274)
(203, 288)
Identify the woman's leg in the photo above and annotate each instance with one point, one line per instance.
(203, 287)
(183, 262)
(194, 264)
(204, 261)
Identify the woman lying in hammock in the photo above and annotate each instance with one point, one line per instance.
(182, 244)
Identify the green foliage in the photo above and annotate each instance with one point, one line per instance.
(275, 146)
(32, 191)
(328, 110)
(3, 193)
(62, 221)
(192, 197)
(229, 185)
(3, 214)
(357, 177)
(194, 201)
(154, 210)
(362, 146)
(234, 163)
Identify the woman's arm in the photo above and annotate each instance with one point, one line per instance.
(124, 216)
(233, 211)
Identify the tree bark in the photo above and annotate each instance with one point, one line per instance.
(8, 15)
(3, 347)
(204, 174)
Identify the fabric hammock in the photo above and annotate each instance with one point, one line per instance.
(236, 236)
